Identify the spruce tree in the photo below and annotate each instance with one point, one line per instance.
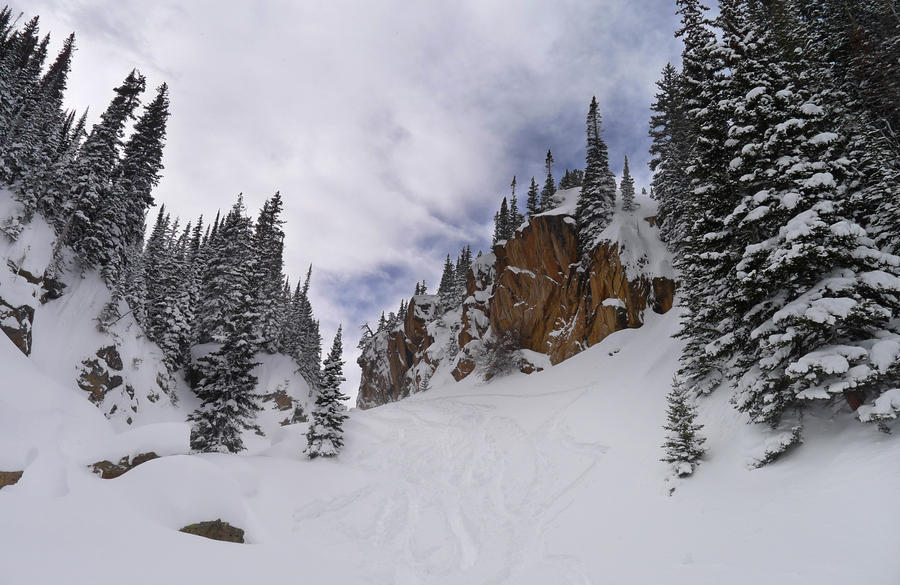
(35, 132)
(446, 290)
(533, 203)
(95, 215)
(808, 263)
(598, 192)
(228, 404)
(269, 248)
(668, 156)
(683, 446)
(139, 172)
(704, 238)
(515, 219)
(627, 188)
(501, 223)
(548, 193)
(325, 437)
(231, 252)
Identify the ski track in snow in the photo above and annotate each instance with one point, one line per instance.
(449, 456)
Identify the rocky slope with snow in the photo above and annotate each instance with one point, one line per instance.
(54, 323)
(532, 295)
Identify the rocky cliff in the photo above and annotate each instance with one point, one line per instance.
(531, 293)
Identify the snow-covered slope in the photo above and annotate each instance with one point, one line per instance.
(541, 479)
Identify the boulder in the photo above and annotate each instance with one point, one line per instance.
(216, 530)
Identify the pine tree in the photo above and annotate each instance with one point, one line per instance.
(548, 193)
(515, 219)
(811, 289)
(269, 248)
(35, 132)
(703, 237)
(501, 223)
(533, 204)
(598, 192)
(463, 265)
(139, 172)
(668, 156)
(231, 252)
(683, 446)
(95, 216)
(446, 288)
(325, 437)
(425, 383)
(627, 188)
(226, 387)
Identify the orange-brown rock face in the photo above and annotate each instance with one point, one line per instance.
(552, 305)
(387, 375)
(535, 290)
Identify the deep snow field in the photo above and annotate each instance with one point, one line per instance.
(545, 479)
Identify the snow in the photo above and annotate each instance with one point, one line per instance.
(544, 479)
(755, 93)
(823, 138)
(886, 407)
(541, 479)
(820, 180)
(811, 109)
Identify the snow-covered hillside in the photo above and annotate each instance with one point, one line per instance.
(541, 479)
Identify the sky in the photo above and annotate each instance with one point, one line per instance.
(392, 129)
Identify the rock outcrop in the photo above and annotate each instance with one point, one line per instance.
(216, 530)
(533, 292)
(16, 322)
(9, 478)
(17, 316)
(109, 470)
(96, 375)
(391, 375)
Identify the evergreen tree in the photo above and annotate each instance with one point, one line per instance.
(139, 172)
(501, 223)
(463, 265)
(703, 238)
(683, 446)
(533, 204)
(515, 219)
(598, 192)
(231, 253)
(269, 247)
(668, 156)
(548, 193)
(95, 216)
(627, 188)
(325, 437)
(446, 290)
(35, 132)
(806, 293)
(226, 387)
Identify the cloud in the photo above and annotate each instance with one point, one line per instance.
(391, 128)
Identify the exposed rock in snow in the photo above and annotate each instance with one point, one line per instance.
(532, 292)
